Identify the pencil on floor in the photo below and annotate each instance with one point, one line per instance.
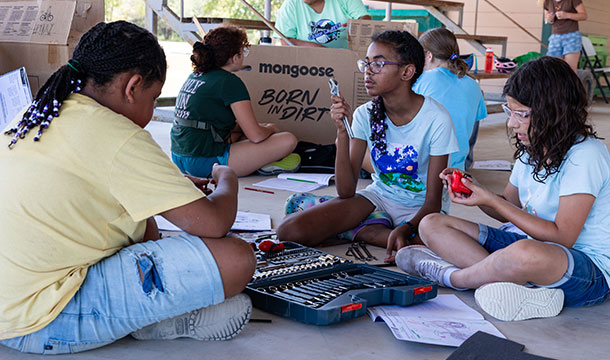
(259, 190)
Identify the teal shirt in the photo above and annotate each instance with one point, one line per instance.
(206, 97)
(299, 21)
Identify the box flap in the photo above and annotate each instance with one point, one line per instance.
(37, 22)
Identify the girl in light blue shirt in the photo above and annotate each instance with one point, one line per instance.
(444, 79)
(558, 195)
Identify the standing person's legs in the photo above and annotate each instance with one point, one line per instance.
(572, 45)
(572, 59)
(246, 157)
(143, 284)
(566, 46)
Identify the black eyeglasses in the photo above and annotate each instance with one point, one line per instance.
(375, 65)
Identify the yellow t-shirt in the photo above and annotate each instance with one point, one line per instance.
(80, 194)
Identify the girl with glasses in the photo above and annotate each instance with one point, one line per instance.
(558, 196)
(409, 137)
(214, 121)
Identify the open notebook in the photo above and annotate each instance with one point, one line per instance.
(297, 182)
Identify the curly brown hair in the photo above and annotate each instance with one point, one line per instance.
(218, 46)
(558, 118)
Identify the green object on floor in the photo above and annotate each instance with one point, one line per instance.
(289, 164)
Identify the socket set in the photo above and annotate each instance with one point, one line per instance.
(314, 287)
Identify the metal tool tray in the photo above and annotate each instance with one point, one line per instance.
(314, 287)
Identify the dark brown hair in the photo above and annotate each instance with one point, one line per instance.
(558, 118)
(218, 46)
(409, 51)
(443, 45)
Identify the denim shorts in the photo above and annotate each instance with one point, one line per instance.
(180, 275)
(583, 284)
(561, 44)
(200, 166)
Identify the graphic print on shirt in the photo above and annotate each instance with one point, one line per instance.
(398, 166)
(189, 88)
(324, 31)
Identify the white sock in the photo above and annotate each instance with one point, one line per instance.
(447, 278)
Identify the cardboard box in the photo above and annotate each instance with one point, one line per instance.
(359, 32)
(41, 35)
(288, 86)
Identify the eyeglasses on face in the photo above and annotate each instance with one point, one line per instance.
(375, 66)
(521, 116)
(246, 52)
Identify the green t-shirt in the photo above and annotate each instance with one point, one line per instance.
(299, 21)
(206, 97)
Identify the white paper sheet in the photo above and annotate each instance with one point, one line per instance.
(251, 221)
(501, 165)
(243, 221)
(288, 185)
(297, 182)
(15, 95)
(444, 320)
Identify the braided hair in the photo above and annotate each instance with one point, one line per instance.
(410, 51)
(104, 51)
(218, 46)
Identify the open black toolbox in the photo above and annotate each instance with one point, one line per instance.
(311, 286)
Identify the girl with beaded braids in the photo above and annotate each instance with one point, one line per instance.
(214, 121)
(409, 137)
(78, 269)
(558, 196)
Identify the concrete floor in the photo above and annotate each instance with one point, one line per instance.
(577, 333)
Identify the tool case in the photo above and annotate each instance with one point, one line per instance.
(314, 287)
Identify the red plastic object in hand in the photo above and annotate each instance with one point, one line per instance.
(456, 183)
(270, 246)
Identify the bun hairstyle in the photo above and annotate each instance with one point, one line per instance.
(104, 51)
(443, 45)
(218, 46)
(410, 51)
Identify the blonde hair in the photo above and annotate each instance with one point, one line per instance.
(443, 45)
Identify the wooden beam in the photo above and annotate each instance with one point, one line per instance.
(439, 4)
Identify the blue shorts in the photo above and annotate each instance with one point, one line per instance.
(561, 44)
(200, 166)
(180, 275)
(583, 284)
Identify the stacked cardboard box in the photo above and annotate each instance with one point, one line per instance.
(41, 35)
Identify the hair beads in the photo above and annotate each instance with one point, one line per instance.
(105, 50)
(378, 125)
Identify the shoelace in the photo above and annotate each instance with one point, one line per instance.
(431, 270)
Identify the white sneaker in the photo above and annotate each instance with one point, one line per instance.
(217, 322)
(511, 302)
(419, 260)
